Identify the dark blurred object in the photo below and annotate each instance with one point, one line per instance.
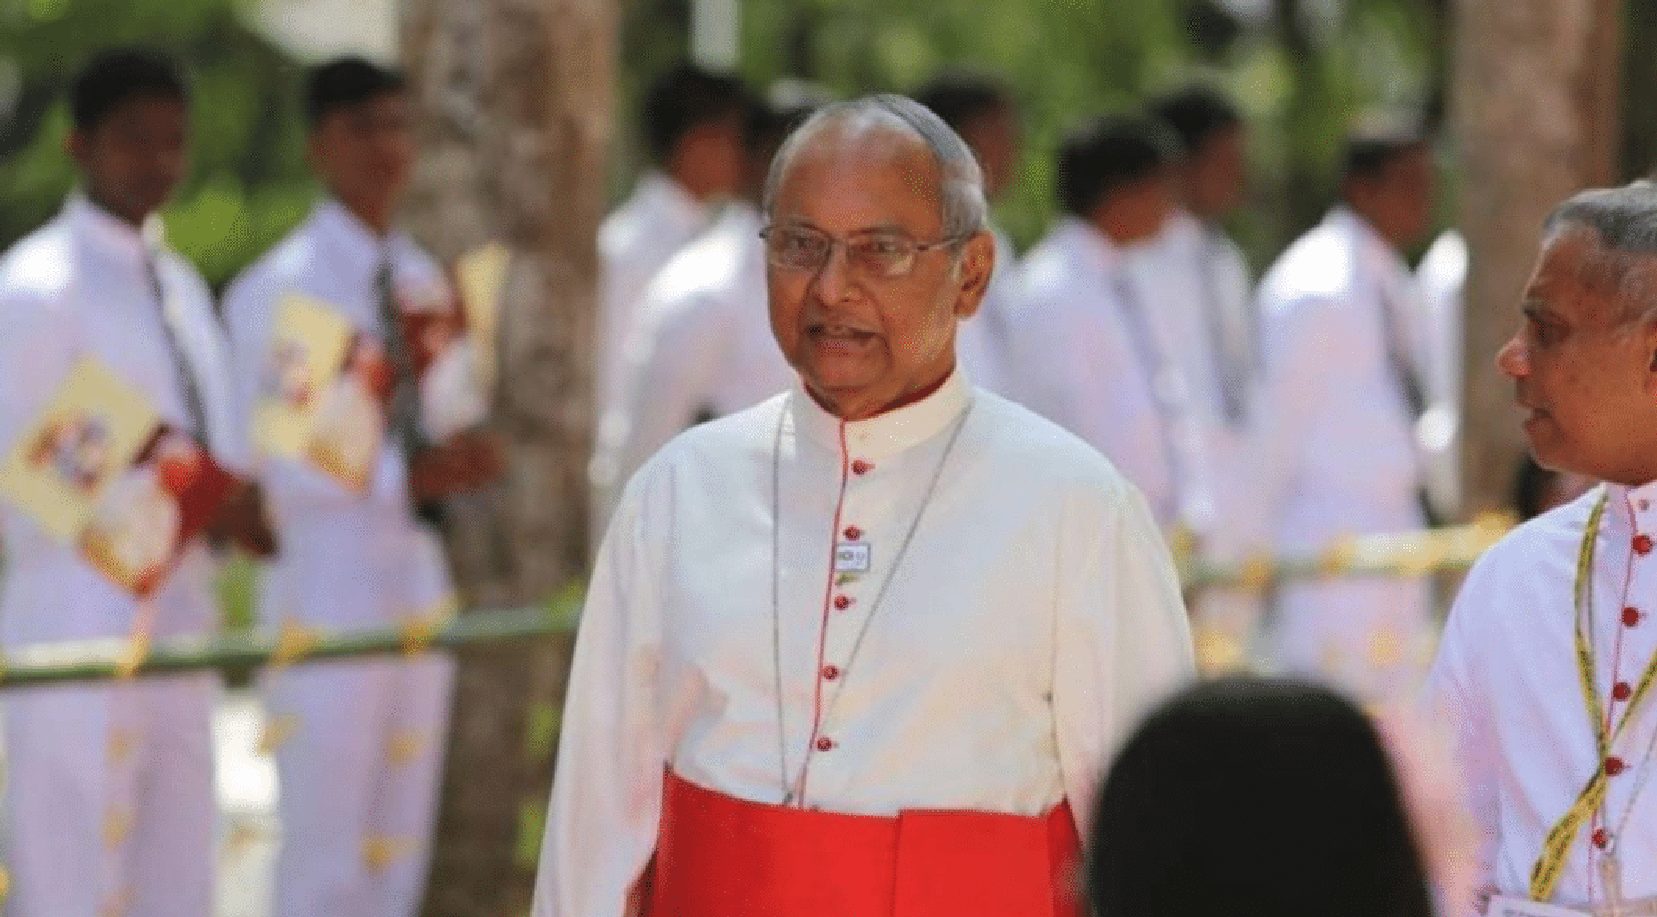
(1258, 797)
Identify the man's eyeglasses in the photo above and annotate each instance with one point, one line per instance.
(879, 254)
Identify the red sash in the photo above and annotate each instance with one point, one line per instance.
(722, 857)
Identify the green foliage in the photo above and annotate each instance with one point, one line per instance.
(248, 184)
(1300, 74)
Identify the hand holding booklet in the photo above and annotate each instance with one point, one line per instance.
(98, 469)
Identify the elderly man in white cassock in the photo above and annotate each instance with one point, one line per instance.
(1546, 668)
(864, 648)
(1348, 432)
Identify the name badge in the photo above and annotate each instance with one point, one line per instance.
(1504, 906)
(851, 557)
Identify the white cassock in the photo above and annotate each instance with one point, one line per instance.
(1033, 618)
(1508, 687)
(1442, 275)
(363, 754)
(109, 786)
(1094, 360)
(1342, 329)
(702, 348)
(983, 342)
(634, 242)
(1201, 304)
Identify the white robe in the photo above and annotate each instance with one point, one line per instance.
(634, 242)
(984, 341)
(79, 287)
(1198, 289)
(1034, 618)
(365, 750)
(1088, 366)
(702, 349)
(1442, 275)
(1339, 452)
(1507, 687)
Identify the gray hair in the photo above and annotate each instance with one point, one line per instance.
(1622, 225)
(961, 181)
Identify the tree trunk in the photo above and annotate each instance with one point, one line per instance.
(1535, 106)
(514, 106)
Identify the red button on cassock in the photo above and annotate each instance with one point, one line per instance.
(825, 744)
(1622, 690)
(830, 672)
(1630, 616)
(853, 533)
(861, 467)
(1602, 838)
(1614, 766)
(842, 602)
(1642, 545)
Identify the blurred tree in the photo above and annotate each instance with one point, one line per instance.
(514, 100)
(249, 184)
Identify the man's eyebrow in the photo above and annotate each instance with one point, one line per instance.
(1538, 310)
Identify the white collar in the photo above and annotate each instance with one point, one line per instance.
(1633, 504)
(1099, 251)
(886, 434)
(111, 234)
(664, 198)
(347, 235)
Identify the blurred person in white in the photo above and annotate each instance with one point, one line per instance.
(1442, 275)
(703, 347)
(109, 802)
(983, 112)
(866, 647)
(692, 126)
(361, 750)
(1345, 405)
(1092, 357)
(1204, 301)
(1544, 675)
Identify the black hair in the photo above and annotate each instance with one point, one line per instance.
(688, 97)
(116, 76)
(768, 125)
(1196, 113)
(346, 82)
(1376, 143)
(1107, 153)
(961, 98)
(1255, 796)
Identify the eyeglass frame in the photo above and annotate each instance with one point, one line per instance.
(836, 241)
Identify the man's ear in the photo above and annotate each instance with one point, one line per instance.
(973, 271)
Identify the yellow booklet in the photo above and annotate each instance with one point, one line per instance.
(321, 392)
(89, 434)
(481, 276)
(98, 469)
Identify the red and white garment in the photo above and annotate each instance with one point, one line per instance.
(1034, 617)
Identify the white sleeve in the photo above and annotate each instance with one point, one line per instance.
(1455, 704)
(1122, 641)
(671, 366)
(606, 797)
(1299, 338)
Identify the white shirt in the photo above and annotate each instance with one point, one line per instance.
(1095, 361)
(1506, 683)
(79, 287)
(1341, 455)
(1442, 275)
(703, 348)
(362, 548)
(1035, 616)
(634, 242)
(983, 341)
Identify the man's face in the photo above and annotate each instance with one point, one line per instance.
(709, 159)
(993, 137)
(364, 153)
(862, 341)
(1585, 378)
(1399, 200)
(1216, 174)
(1138, 210)
(133, 160)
